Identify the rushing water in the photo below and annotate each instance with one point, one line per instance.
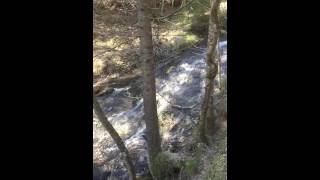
(182, 86)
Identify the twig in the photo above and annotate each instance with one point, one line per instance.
(167, 21)
(197, 53)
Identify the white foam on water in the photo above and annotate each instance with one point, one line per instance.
(182, 78)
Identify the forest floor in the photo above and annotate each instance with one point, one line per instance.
(116, 42)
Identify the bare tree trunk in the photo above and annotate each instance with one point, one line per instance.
(183, 2)
(219, 67)
(207, 121)
(154, 4)
(162, 5)
(149, 90)
(115, 136)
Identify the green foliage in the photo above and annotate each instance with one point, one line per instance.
(224, 84)
(191, 166)
(223, 15)
(199, 25)
(218, 169)
(163, 167)
(200, 17)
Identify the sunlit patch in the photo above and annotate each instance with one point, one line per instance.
(178, 38)
(223, 6)
(166, 135)
(98, 66)
(117, 60)
(167, 121)
(108, 43)
(122, 129)
(136, 42)
(112, 43)
(191, 38)
(162, 104)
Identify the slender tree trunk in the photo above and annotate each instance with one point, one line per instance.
(207, 121)
(162, 5)
(219, 67)
(115, 136)
(154, 4)
(149, 89)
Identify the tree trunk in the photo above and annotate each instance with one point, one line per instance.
(207, 121)
(115, 136)
(219, 67)
(162, 5)
(149, 89)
